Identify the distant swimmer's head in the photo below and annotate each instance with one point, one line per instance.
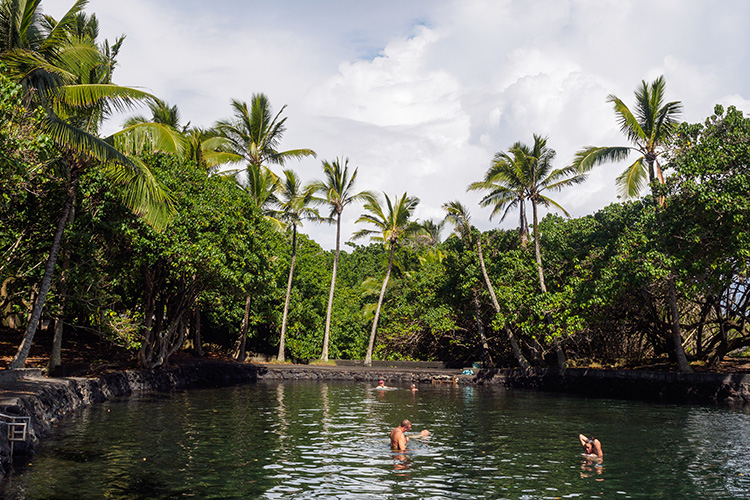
(381, 382)
(425, 432)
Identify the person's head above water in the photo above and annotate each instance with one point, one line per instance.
(406, 424)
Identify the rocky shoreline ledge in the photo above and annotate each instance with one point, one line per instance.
(47, 400)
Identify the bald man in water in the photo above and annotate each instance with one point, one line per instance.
(398, 438)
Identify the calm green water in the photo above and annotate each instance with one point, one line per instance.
(307, 440)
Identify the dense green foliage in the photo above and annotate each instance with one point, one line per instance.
(635, 281)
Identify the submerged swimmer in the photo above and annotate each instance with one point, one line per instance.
(591, 447)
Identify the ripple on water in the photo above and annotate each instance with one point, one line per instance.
(329, 441)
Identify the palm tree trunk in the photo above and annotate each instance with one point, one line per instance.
(655, 172)
(486, 358)
(562, 362)
(19, 360)
(55, 357)
(524, 224)
(280, 356)
(371, 343)
(513, 341)
(537, 249)
(243, 331)
(324, 354)
(679, 350)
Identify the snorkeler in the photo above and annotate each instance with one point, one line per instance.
(591, 446)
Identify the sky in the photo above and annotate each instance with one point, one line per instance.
(419, 95)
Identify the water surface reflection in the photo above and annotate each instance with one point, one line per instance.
(303, 440)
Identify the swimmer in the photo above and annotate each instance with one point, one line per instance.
(398, 438)
(591, 446)
(381, 385)
(414, 388)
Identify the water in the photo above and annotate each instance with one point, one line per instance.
(328, 440)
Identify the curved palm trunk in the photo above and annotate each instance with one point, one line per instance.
(562, 362)
(324, 354)
(371, 343)
(524, 224)
(537, 249)
(486, 358)
(19, 360)
(280, 356)
(511, 338)
(655, 172)
(55, 357)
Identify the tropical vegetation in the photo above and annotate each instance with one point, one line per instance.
(173, 239)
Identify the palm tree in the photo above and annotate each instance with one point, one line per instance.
(525, 173)
(431, 230)
(263, 187)
(161, 112)
(459, 217)
(252, 136)
(254, 133)
(69, 76)
(203, 146)
(33, 46)
(161, 131)
(391, 223)
(338, 191)
(650, 129)
(505, 181)
(20, 26)
(530, 176)
(294, 206)
(540, 176)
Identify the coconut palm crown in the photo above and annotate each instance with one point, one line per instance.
(649, 127)
(390, 224)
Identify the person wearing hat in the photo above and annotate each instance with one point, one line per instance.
(381, 385)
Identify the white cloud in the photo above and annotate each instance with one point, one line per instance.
(421, 94)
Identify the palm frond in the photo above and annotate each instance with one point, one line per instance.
(547, 202)
(629, 124)
(142, 193)
(70, 137)
(633, 179)
(149, 136)
(591, 156)
(121, 98)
